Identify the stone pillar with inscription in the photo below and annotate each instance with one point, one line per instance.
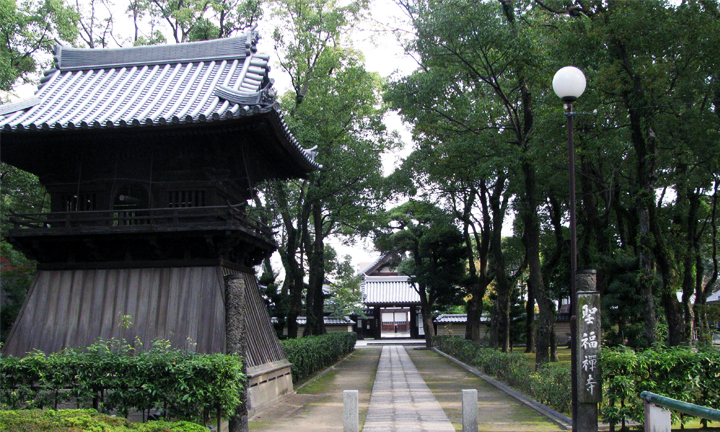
(588, 336)
(235, 340)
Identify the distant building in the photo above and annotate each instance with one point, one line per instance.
(393, 305)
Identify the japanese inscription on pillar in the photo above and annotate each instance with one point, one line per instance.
(588, 347)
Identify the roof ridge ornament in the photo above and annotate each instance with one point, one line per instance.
(263, 97)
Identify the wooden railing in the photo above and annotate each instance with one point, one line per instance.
(137, 219)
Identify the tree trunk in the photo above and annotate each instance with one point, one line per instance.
(474, 314)
(494, 331)
(426, 309)
(293, 270)
(530, 320)
(316, 262)
(546, 321)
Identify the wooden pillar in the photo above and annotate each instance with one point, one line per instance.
(235, 340)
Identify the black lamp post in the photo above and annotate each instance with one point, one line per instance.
(569, 84)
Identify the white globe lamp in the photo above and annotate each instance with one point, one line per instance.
(569, 83)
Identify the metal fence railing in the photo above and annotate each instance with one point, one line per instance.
(657, 414)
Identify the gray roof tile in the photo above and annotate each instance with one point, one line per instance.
(389, 290)
(149, 86)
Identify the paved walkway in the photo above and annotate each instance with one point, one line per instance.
(318, 406)
(400, 399)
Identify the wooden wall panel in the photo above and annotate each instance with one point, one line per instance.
(186, 305)
(73, 308)
(263, 345)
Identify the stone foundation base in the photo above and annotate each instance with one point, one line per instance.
(268, 382)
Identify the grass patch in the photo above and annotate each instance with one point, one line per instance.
(564, 355)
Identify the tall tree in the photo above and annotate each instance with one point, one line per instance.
(649, 61)
(194, 20)
(334, 107)
(492, 48)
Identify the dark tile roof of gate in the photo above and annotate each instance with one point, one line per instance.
(149, 86)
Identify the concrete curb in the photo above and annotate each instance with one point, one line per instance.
(561, 420)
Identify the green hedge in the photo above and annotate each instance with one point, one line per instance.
(548, 385)
(84, 420)
(679, 373)
(311, 354)
(112, 376)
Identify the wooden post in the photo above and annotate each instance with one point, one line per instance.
(235, 340)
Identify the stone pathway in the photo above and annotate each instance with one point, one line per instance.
(400, 399)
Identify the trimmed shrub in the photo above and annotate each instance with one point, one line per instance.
(548, 385)
(84, 420)
(677, 372)
(311, 354)
(113, 377)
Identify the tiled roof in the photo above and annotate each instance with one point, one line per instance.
(714, 297)
(197, 82)
(372, 265)
(458, 318)
(301, 320)
(451, 318)
(389, 290)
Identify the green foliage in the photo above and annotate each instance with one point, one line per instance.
(346, 296)
(188, 385)
(194, 20)
(14, 284)
(436, 247)
(20, 192)
(312, 353)
(28, 28)
(86, 420)
(678, 372)
(549, 384)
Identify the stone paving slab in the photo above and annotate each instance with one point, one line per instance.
(400, 399)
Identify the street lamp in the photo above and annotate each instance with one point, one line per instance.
(569, 84)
